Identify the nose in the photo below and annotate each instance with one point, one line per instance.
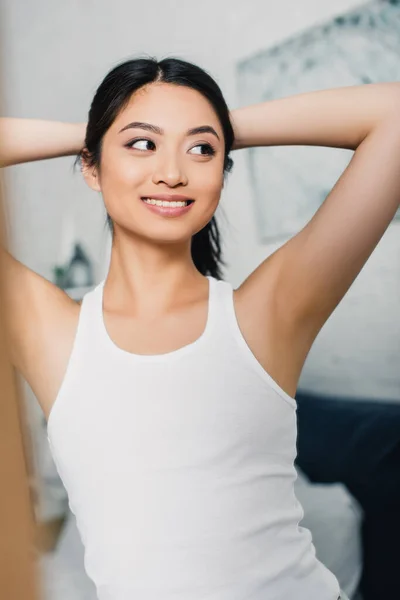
(169, 170)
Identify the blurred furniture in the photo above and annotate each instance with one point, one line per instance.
(18, 552)
(334, 518)
(356, 443)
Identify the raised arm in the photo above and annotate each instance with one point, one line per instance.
(314, 269)
(25, 140)
(337, 118)
(37, 310)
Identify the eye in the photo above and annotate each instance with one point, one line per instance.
(208, 149)
(133, 143)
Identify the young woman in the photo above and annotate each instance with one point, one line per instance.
(170, 395)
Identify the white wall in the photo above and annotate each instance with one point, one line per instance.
(56, 55)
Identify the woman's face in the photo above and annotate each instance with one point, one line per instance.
(150, 150)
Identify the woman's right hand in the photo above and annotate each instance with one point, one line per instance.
(26, 140)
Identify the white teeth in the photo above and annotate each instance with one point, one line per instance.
(164, 202)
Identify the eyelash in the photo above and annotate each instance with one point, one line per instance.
(210, 149)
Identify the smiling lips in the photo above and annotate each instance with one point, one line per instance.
(168, 205)
(168, 197)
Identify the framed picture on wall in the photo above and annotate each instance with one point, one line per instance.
(289, 183)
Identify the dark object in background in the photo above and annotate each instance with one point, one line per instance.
(357, 442)
(78, 273)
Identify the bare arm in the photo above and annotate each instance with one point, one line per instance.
(25, 140)
(338, 118)
(35, 307)
(317, 266)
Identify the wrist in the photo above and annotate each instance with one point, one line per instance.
(79, 135)
(235, 121)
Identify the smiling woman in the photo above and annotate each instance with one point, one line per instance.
(170, 396)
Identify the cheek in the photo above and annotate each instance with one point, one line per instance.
(119, 166)
(214, 188)
(208, 183)
(209, 198)
(121, 172)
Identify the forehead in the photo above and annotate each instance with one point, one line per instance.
(172, 107)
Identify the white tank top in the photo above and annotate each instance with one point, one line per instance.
(179, 467)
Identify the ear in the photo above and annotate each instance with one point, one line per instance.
(90, 174)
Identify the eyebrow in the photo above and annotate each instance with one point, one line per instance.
(159, 131)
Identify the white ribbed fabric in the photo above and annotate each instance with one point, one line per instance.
(180, 467)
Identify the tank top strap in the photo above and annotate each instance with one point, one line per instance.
(222, 306)
(88, 323)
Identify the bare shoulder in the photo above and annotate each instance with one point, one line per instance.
(41, 321)
(270, 326)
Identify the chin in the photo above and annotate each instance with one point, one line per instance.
(165, 234)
